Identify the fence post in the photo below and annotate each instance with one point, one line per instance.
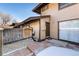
(1, 43)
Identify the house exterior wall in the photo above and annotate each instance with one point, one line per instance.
(43, 27)
(70, 12)
(35, 26)
(53, 17)
(67, 13)
(38, 27)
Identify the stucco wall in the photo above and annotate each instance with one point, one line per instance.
(67, 13)
(35, 26)
(53, 17)
(70, 12)
(43, 27)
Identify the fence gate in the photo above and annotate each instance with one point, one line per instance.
(27, 32)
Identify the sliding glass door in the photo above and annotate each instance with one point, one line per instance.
(69, 30)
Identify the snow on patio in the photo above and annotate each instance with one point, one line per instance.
(31, 48)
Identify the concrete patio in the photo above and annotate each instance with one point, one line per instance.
(31, 48)
(14, 46)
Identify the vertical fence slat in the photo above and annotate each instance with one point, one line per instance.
(10, 35)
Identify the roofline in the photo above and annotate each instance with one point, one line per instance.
(31, 19)
(36, 9)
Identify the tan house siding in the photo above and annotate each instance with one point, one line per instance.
(52, 11)
(56, 15)
(70, 12)
(35, 26)
(51, 8)
(67, 13)
(43, 27)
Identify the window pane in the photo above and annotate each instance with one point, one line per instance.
(63, 5)
(69, 30)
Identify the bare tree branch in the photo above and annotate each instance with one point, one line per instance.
(5, 18)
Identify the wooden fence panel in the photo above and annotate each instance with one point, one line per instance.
(11, 35)
(1, 34)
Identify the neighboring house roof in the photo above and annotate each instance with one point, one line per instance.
(31, 19)
(13, 24)
(5, 27)
(37, 9)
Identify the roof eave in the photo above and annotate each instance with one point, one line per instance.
(27, 20)
(36, 9)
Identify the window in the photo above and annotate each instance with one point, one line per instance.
(44, 8)
(64, 5)
(69, 30)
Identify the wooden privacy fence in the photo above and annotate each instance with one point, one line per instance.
(11, 35)
(1, 42)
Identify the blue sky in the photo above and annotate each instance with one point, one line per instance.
(20, 11)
